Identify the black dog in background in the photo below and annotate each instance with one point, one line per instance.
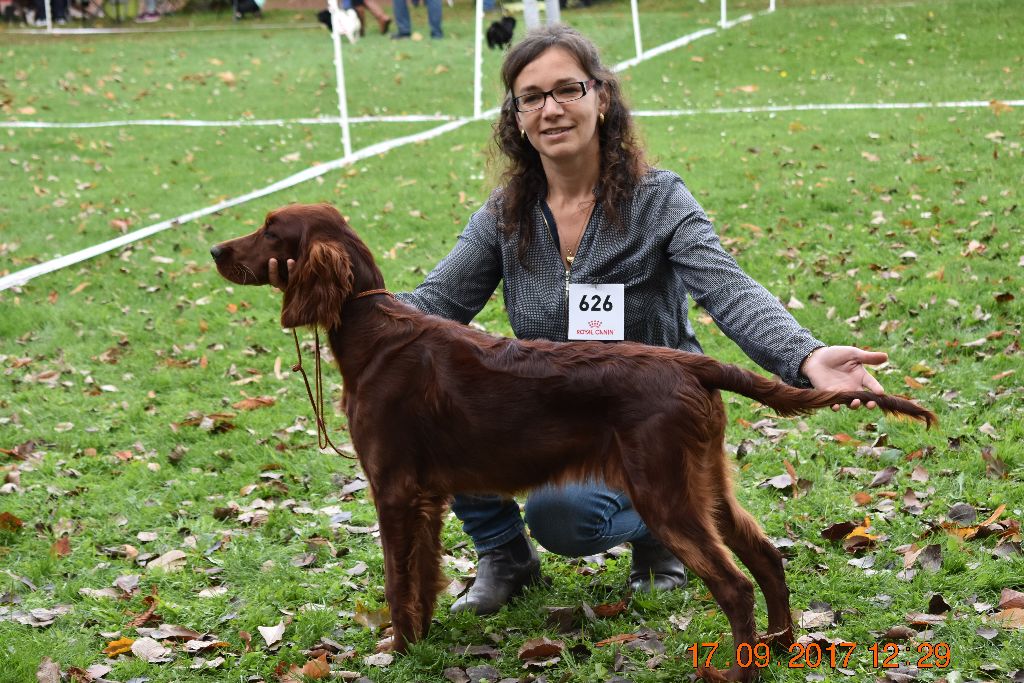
(500, 32)
(324, 17)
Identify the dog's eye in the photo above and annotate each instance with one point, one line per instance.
(270, 235)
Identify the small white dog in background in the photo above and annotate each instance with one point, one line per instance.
(348, 22)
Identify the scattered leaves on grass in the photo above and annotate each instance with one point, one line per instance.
(620, 638)
(37, 618)
(9, 522)
(540, 648)
(1010, 618)
(922, 619)
(62, 547)
(169, 632)
(612, 609)
(1010, 598)
(855, 537)
(994, 467)
(171, 561)
(118, 647)
(381, 659)
(487, 651)
(317, 668)
(254, 402)
(149, 614)
(819, 615)
(48, 671)
(372, 619)
(150, 650)
(883, 477)
(272, 634)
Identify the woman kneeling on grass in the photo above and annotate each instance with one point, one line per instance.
(580, 206)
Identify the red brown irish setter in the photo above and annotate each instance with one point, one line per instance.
(435, 408)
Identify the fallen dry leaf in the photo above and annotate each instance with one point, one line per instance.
(272, 634)
(541, 648)
(1009, 618)
(621, 638)
(151, 601)
(371, 618)
(118, 647)
(612, 609)
(381, 659)
(9, 522)
(48, 671)
(252, 403)
(171, 561)
(1010, 599)
(151, 651)
(317, 668)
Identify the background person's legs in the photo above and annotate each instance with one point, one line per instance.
(434, 17)
(403, 26)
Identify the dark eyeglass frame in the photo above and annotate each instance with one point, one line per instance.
(586, 85)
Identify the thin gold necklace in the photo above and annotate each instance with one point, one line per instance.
(570, 254)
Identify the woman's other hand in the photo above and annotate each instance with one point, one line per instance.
(841, 368)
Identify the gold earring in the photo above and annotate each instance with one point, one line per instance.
(600, 117)
(522, 133)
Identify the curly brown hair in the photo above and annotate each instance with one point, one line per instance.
(622, 159)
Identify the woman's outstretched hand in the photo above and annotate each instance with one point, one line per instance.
(275, 276)
(841, 368)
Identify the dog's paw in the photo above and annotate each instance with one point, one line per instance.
(386, 644)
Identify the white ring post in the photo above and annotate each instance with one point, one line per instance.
(49, 16)
(723, 23)
(771, 5)
(531, 14)
(553, 11)
(478, 61)
(636, 29)
(339, 74)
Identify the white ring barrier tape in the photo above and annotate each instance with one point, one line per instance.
(851, 106)
(22, 276)
(238, 123)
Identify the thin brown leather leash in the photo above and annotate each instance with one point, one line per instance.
(323, 438)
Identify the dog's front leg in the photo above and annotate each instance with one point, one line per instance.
(400, 582)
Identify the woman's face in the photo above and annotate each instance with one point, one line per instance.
(559, 130)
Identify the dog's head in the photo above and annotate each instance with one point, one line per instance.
(509, 23)
(331, 262)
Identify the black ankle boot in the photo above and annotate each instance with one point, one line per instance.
(501, 574)
(655, 568)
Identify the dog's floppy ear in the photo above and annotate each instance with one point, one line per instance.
(318, 286)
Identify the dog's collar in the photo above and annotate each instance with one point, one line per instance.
(372, 292)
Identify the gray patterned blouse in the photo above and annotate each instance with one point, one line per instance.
(668, 250)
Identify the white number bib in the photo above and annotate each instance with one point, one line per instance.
(596, 311)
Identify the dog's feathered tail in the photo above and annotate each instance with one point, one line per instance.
(787, 400)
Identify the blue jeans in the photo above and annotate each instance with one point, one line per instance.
(573, 520)
(404, 24)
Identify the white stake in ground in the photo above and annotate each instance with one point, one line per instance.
(339, 72)
(478, 61)
(636, 29)
(724, 23)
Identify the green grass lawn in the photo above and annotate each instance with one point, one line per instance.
(897, 230)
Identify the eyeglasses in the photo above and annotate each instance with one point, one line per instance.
(568, 92)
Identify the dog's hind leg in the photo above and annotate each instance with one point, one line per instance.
(672, 490)
(744, 537)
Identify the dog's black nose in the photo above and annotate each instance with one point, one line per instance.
(215, 251)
